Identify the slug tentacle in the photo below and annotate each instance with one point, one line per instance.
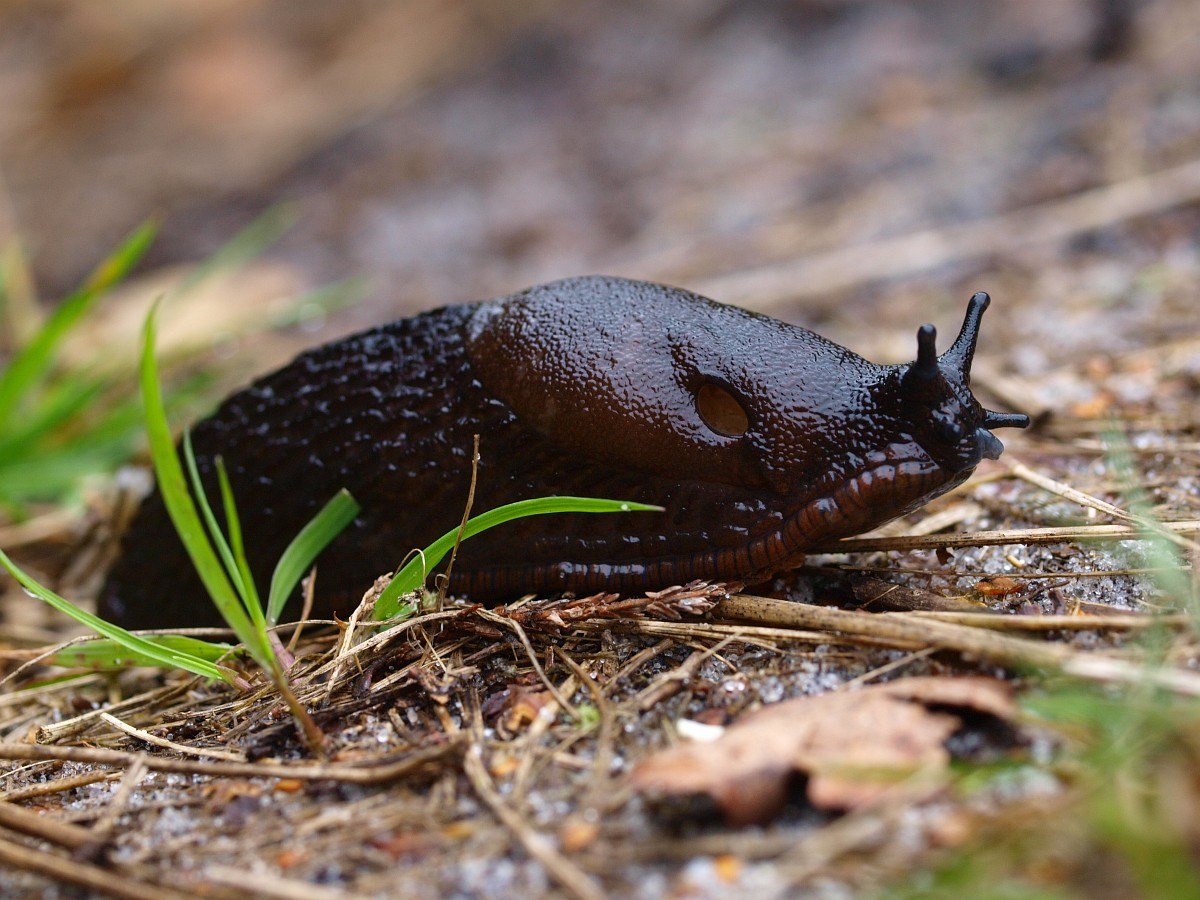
(759, 439)
(1005, 420)
(962, 351)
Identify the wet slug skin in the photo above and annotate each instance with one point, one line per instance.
(760, 439)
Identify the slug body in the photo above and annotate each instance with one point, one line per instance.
(760, 439)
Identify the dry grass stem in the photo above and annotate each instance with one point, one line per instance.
(910, 632)
(169, 745)
(376, 773)
(1001, 537)
(569, 876)
(84, 874)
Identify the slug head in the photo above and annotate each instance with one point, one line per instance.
(947, 420)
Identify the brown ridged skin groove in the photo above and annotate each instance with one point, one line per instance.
(580, 387)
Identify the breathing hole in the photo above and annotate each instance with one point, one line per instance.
(721, 411)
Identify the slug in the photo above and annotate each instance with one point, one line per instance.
(761, 440)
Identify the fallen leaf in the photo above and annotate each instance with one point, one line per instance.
(855, 747)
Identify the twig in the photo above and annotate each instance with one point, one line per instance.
(603, 757)
(462, 526)
(566, 873)
(169, 745)
(1020, 470)
(638, 660)
(367, 774)
(888, 667)
(45, 788)
(44, 826)
(1004, 622)
(102, 829)
(31, 531)
(545, 718)
(310, 732)
(81, 723)
(671, 683)
(310, 592)
(61, 869)
(1011, 536)
(911, 632)
(258, 884)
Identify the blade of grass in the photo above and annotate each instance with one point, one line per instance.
(413, 575)
(49, 476)
(216, 536)
(31, 362)
(163, 656)
(249, 591)
(105, 652)
(304, 548)
(20, 315)
(244, 246)
(60, 402)
(182, 509)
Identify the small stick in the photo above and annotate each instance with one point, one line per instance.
(573, 879)
(1010, 536)
(61, 869)
(262, 884)
(84, 721)
(43, 789)
(169, 745)
(310, 592)
(912, 630)
(462, 526)
(102, 829)
(43, 826)
(603, 758)
(371, 774)
(1020, 470)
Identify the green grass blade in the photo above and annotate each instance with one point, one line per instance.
(30, 363)
(52, 475)
(304, 548)
(216, 536)
(63, 400)
(234, 523)
(182, 509)
(244, 246)
(322, 301)
(107, 653)
(413, 575)
(160, 655)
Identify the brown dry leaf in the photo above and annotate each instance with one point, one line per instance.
(856, 747)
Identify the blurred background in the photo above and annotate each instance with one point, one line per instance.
(839, 163)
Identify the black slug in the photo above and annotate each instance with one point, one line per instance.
(761, 439)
